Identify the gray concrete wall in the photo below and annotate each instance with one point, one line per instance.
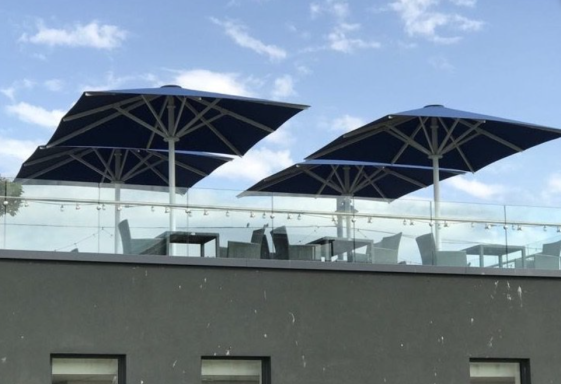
(317, 326)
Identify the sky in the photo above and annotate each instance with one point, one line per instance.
(351, 61)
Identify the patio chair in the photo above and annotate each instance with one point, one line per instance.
(286, 251)
(258, 248)
(385, 251)
(548, 258)
(430, 256)
(144, 246)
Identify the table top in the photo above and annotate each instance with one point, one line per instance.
(494, 249)
(189, 237)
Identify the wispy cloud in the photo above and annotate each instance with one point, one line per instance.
(93, 35)
(255, 165)
(347, 123)
(422, 20)
(283, 87)
(441, 63)
(54, 85)
(340, 41)
(476, 188)
(343, 36)
(36, 115)
(239, 33)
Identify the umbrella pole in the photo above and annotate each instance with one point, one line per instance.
(436, 186)
(171, 184)
(117, 216)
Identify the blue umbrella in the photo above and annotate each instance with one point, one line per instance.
(436, 136)
(171, 118)
(120, 167)
(347, 179)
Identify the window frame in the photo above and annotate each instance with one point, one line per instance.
(265, 364)
(523, 365)
(121, 362)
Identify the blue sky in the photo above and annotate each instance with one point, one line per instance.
(351, 61)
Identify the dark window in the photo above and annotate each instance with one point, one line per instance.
(235, 370)
(85, 369)
(499, 371)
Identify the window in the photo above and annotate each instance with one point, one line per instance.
(85, 369)
(496, 371)
(235, 371)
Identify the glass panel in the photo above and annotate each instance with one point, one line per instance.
(85, 370)
(494, 373)
(231, 371)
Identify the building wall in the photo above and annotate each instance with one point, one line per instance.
(318, 326)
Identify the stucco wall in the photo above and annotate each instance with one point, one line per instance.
(318, 326)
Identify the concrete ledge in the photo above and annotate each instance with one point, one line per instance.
(72, 257)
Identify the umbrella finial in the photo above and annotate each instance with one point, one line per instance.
(434, 106)
(171, 86)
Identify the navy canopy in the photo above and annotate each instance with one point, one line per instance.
(152, 118)
(460, 140)
(358, 179)
(134, 168)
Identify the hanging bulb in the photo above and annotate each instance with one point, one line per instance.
(153, 209)
(167, 209)
(62, 208)
(353, 220)
(227, 213)
(264, 216)
(544, 228)
(119, 208)
(299, 217)
(505, 227)
(404, 222)
(251, 214)
(77, 207)
(98, 207)
(430, 224)
(519, 228)
(445, 224)
(6, 202)
(205, 212)
(272, 216)
(369, 220)
(558, 229)
(289, 217)
(473, 225)
(25, 203)
(103, 206)
(411, 222)
(487, 226)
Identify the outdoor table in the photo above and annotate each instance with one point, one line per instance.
(186, 237)
(498, 250)
(336, 246)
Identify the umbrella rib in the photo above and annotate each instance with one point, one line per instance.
(406, 178)
(92, 126)
(247, 120)
(48, 169)
(92, 167)
(115, 105)
(197, 117)
(222, 137)
(106, 164)
(142, 122)
(322, 180)
(408, 141)
(178, 163)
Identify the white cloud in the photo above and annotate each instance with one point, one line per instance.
(255, 165)
(282, 137)
(36, 115)
(347, 123)
(239, 34)
(205, 80)
(10, 92)
(476, 188)
(465, 3)
(283, 87)
(18, 149)
(94, 35)
(420, 19)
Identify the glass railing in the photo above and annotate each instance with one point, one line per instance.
(219, 223)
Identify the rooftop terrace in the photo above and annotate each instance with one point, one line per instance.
(219, 224)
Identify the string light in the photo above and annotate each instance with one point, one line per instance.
(404, 222)
(77, 207)
(369, 220)
(62, 208)
(487, 226)
(251, 214)
(272, 216)
(519, 228)
(227, 213)
(205, 213)
(119, 208)
(289, 217)
(264, 216)
(299, 217)
(6, 202)
(167, 209)
(152, 209)
(445, 224)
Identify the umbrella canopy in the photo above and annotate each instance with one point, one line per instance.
(171, 118)
(359, 179)
(439, 137)
(126, 167)
(120, 167)
(347, 179)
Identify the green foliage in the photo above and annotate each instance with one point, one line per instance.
(12, 192)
